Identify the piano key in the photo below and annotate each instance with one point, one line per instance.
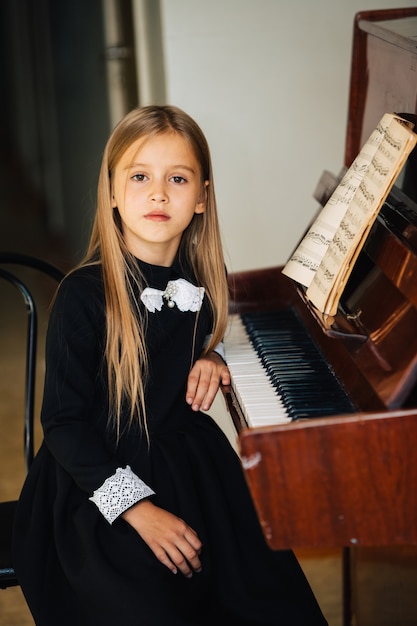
(257, 397)
(278, 374)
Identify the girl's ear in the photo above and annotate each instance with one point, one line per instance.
(202, 200)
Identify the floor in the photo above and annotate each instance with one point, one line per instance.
(386, 593)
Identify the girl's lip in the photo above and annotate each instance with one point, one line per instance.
(158, 216)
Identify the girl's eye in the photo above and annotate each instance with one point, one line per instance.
(139, 177)
(178, 179)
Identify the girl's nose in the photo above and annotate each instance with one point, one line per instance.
(158, 193)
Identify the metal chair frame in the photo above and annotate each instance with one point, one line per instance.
(8, 576)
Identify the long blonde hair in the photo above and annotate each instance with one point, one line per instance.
(200, 246)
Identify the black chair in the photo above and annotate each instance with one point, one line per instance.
(18, 277)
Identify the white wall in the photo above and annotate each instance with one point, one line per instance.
(268, 81)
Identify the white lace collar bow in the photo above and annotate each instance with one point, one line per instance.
(180, 292)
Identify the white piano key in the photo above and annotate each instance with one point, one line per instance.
(257, 397)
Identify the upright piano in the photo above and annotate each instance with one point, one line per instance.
(344, 473)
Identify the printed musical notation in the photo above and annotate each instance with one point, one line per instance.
(323, 260)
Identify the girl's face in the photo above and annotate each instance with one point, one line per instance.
(157, 189)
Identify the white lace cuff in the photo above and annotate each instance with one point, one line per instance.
(219, 348)
(119, 492)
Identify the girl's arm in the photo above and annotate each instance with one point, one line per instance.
(75, 405)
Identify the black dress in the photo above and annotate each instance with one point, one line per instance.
(77, 569)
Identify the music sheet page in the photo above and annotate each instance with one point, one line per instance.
(395, 142)
(323, 260)
(306, 259)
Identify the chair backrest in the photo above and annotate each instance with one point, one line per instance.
(14, 270)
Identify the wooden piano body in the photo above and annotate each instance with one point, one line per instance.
(334, 481)
(351, 480)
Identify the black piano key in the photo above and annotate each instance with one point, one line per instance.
(295, 366)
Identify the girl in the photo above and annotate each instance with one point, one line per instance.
(135, 510)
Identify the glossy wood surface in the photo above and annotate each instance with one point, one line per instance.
(338, 481)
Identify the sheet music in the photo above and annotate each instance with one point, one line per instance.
(306, 259)
(324, 259)
(362, 195)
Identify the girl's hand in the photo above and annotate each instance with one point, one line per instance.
(204, 381)
(174, 543)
